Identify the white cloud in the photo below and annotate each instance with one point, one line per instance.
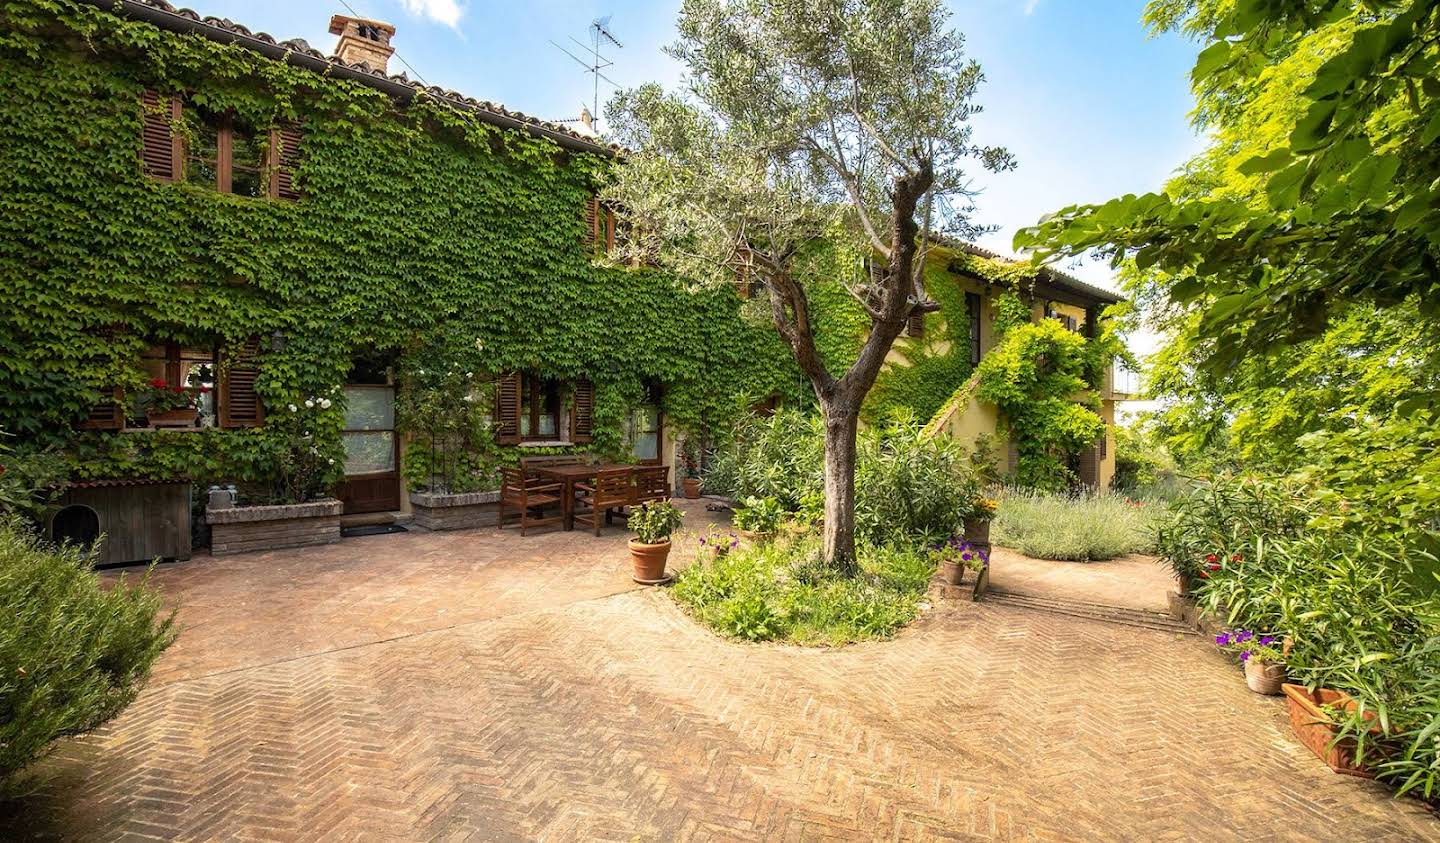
(1029, 6)
(447, 12)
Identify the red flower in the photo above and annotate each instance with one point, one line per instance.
(1205, 574)
(1215, 566)
(2, 469)
(177, 389)
(1237, 558)
(159, 383)
(204, 389)
(1210, 557)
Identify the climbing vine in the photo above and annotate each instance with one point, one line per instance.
(421, 232)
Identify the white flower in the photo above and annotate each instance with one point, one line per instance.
(331, 460)
(469, 374)
(294, 409)
(307, 434)
(420, 371)
(309, 403)
(324, 403)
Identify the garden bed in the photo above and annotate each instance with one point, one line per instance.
(243, 529)
(464, 511)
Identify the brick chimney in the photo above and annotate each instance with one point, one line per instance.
(362, 40)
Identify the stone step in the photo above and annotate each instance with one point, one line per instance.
(1143, 618)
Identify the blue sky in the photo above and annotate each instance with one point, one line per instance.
(1091, 106)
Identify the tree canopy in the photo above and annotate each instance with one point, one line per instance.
(1319, 190)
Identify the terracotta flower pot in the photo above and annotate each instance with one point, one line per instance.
(977, 531)
(952, 572)
(648, 561)
(1316, 729)
(1264, 677)
(183, 417)
(691, 486)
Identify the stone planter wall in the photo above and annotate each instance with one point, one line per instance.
(242, 529)
(435, 511)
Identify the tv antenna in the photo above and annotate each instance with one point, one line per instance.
(600, 37)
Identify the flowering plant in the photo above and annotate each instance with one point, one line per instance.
(960, 552)
(983, 508)
(158, 396)
(719, 541)
(1250, 645)
(1215, 562)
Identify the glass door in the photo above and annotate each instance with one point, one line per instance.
(372, 471)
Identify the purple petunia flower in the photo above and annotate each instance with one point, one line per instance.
(1245, 656)
(1267, 640)
(735, 543)
(1222, 638)
(1245, 635)
(702, 541)
(967, 556)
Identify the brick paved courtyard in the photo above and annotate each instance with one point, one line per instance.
(482, 686)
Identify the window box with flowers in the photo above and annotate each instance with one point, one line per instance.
(163, 404)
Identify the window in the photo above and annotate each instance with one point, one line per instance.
(539, 408)
(185, 141)
(972, 309)
(643, 428)
(223, 152)
(183, 367)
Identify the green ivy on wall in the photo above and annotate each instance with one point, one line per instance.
(935, 363)
(421, 232)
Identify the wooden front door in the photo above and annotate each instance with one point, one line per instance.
(372, 450)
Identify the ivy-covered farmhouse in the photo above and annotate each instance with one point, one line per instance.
(235, 260)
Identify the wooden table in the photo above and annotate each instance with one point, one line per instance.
(569, 475)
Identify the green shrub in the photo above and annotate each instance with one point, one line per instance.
(29, 480)
(908, 486)
(1353, 622)
(781, 591)
(1227, 515)
(1078, 528)
(72, 654)
(652, 523)
(759, 515)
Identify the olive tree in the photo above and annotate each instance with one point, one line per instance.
(802, 121)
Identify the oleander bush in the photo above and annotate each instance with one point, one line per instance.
(908, 487)
(1354, 600)
(1072, 527)
(782, 591)
(73, 654)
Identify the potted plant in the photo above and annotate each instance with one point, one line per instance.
(956, 557)
(759, 518)
(690, 465)
(1315, 716)
(1264, 662)
(977, 520)
(164, 405)
(652, 524)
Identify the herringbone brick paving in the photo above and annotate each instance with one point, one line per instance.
(614, 717)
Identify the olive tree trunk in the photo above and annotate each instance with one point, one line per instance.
(841, 424)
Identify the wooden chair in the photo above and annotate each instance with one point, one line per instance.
(611, 491)
(652, 483)
(527, 495)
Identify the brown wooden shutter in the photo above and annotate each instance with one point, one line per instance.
(915, 325)
(592, 223)
(160, 150)
(285, 157)
(105, 414)
(239, 402)
(582, 412)
(507, 409)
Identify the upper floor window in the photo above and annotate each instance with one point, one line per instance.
(185, 141)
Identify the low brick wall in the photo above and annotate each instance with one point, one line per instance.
(455, 512)
(242, 529)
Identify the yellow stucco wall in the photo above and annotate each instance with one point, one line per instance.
(1107, 463)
